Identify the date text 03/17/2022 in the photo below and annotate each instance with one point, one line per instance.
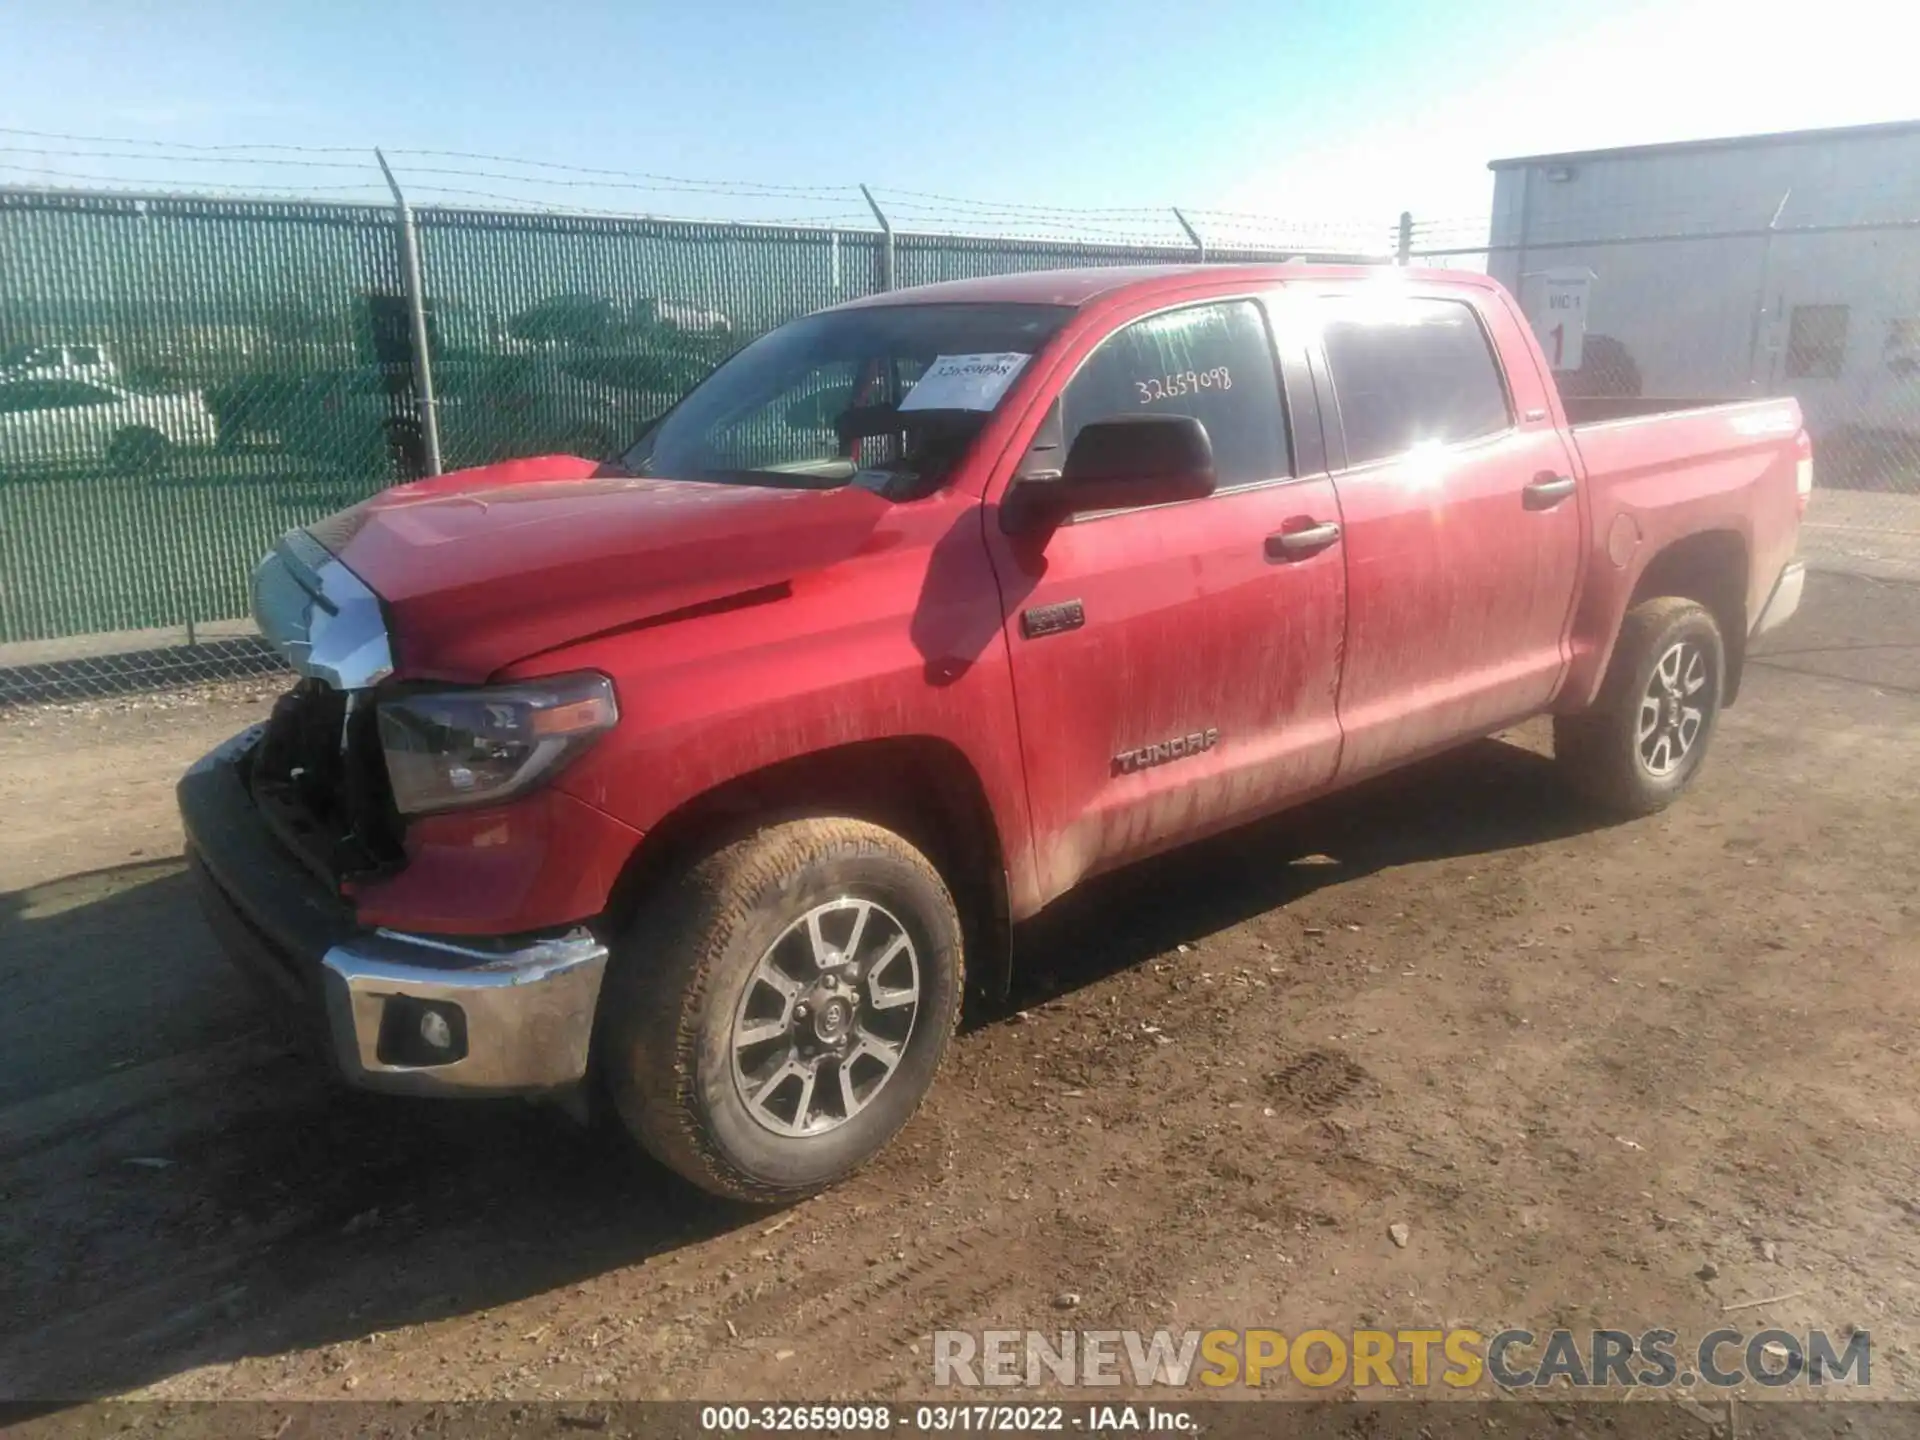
(948, 1419)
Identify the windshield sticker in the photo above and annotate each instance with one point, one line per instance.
(965, 382)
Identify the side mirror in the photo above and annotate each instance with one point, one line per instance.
(1117, 464)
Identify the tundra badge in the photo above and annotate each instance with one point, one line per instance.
(1052, 619)
(1178, 748)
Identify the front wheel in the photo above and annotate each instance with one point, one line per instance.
(1646, 736)
(778, 1011)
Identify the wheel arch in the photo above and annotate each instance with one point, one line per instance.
(1710, 567)
(921, 787)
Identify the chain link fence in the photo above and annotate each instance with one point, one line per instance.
(183, 378)
(154, 355)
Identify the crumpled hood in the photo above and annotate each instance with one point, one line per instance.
(484, 567)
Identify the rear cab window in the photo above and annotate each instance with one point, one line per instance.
(1411, 371)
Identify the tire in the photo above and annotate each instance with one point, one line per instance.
(697, 1022)
(137, 451)
(1605, 753)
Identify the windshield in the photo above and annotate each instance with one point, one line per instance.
(847, 396)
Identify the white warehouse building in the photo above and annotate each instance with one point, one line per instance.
(1758, 265)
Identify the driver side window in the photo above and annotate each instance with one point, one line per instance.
(1213, 362)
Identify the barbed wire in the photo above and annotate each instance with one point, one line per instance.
(672, 181)
(1060, 226)
(278, 192)
(311, 170)
(843, 220)
(661, 186)
(1233, 217)
(365, 162)
(181, 144)
(913, 196)
(505, 179)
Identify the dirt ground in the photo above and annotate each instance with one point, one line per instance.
(1584, 1065)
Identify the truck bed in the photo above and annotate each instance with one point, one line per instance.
(1660, 470)
(1600, 409)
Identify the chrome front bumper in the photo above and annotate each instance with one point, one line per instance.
(516, 1022)
(516, 1015)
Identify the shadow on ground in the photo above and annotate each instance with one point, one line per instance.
(104, 972)
(1488, 796)
(284, 1214)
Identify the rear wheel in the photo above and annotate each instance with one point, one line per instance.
(777, 1013)
(137, 451)
(1646, 736)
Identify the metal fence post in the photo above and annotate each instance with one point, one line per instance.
(1404, 251)
(886, 243)
(1199, 245)
(1520, 248)
(417, 314)
(1758, 324)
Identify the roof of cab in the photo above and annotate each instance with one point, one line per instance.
(1080, 287)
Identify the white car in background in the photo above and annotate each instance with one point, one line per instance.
(71, 424)
(59, 361)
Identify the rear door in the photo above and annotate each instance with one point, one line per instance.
(1463, 529)
(1175, 666)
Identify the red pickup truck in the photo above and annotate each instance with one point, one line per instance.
(709, 778)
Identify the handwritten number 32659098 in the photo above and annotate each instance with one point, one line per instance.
(1171, 387)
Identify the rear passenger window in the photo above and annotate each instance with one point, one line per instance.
(1213, 362)
(1410, 371)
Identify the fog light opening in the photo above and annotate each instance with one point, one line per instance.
(420, 1034)
(435, 1030)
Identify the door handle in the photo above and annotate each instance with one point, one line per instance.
(1547, 490)
(1298, 544)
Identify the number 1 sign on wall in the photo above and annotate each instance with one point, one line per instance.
(1556, 305)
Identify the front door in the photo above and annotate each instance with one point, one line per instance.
(1175, 668)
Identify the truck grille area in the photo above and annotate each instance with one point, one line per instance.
(319, 779)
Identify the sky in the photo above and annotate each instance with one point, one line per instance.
(1330, 115)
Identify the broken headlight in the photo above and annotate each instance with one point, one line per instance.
(450, 748)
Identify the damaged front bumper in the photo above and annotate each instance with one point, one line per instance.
(413, 1014)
